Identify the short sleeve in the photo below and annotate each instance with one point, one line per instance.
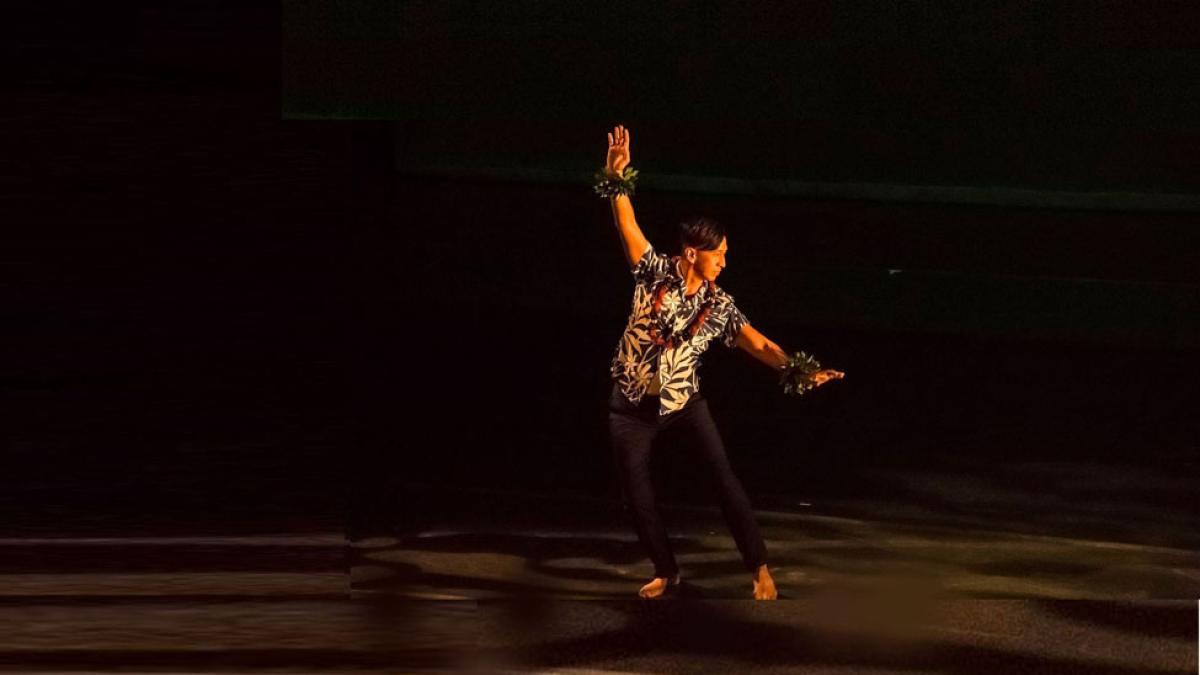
(733, 326)
(652, 266)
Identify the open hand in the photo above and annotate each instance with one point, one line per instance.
(822, 376)
(618, 149)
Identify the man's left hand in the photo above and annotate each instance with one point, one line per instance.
(822, 376)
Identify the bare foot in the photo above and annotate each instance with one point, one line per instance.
(764, 585)
(657, 587)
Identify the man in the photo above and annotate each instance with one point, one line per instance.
(678, 310)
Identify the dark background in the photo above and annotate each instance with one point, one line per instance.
(243, 287)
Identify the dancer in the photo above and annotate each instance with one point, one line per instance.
(678, 310)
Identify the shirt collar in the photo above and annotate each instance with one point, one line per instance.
(701, 293)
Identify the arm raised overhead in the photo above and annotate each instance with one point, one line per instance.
(632, 239)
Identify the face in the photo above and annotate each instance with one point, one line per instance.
(708, 264)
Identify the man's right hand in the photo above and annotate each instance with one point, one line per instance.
(632, 239)
(618, 149)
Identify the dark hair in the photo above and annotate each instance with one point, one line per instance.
(703, 234)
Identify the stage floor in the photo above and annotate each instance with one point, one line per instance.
(537, 583)
(488, 544)
(507, 573)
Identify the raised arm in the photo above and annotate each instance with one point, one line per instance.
(632, 239)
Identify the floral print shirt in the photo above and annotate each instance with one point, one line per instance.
(638, 360)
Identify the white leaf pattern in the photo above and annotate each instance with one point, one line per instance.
(634, 363)
(734, 320)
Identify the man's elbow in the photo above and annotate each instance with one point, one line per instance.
(760, 343)
(754, 346)
(751, 340)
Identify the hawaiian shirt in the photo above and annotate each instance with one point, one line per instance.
(638, 360)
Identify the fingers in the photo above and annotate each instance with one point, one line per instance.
(619, 136)
(610, 139)
(824, 376)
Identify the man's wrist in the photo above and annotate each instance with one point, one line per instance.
(607, 182)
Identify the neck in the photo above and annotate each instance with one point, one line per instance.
(692, 278)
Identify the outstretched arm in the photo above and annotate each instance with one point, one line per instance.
(632, 239)
(760, 347)
(757, 345)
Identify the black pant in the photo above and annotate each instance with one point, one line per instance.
(632, 430)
